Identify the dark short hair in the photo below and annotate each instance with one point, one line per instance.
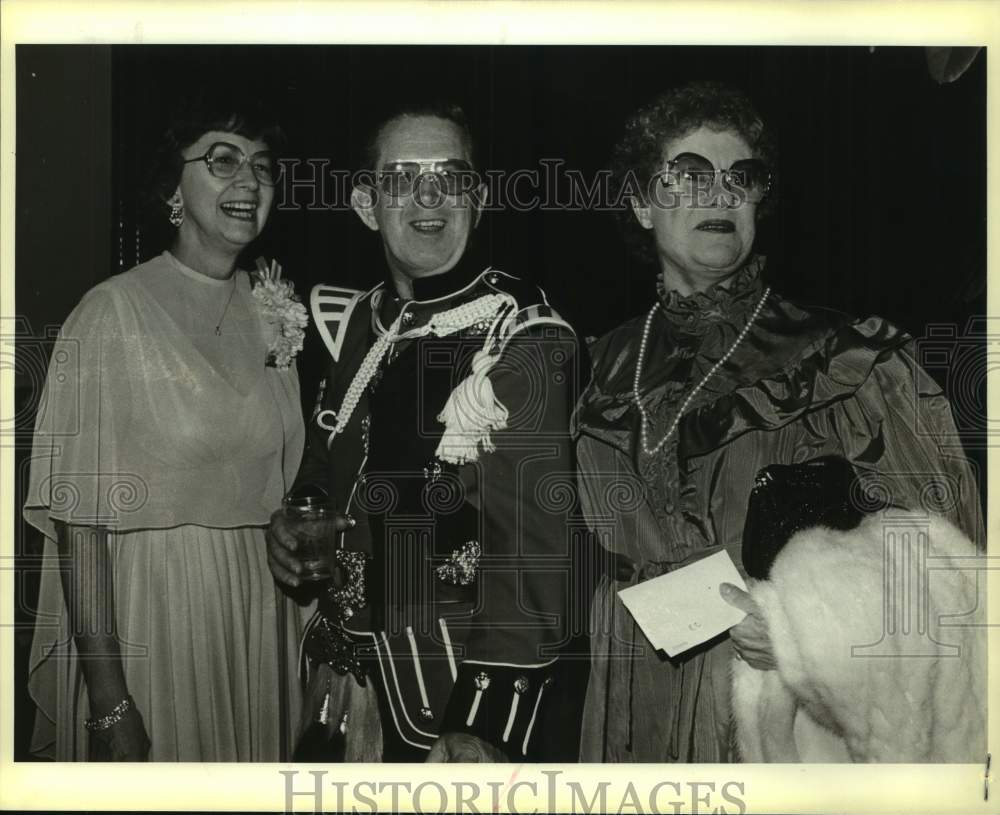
(201, 113)
(433, 108)
(638, 155)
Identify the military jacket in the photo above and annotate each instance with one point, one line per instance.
(442, 429)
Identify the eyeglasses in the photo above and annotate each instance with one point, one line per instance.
(225, 160)
(452, 176)
(691, 174)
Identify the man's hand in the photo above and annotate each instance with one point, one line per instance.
(282, 547)
(751, 638)
(464, 747)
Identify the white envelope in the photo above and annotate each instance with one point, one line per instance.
(681, 609)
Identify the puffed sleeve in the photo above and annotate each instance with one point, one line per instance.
(76, 474)
(899, 432)
(526, 492)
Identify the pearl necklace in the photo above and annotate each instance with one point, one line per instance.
(644, 423)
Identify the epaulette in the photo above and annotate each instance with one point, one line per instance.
(533, 317)
(537, 313)
(331, 308)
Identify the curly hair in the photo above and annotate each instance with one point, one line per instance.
(197, 115)
(638, 155)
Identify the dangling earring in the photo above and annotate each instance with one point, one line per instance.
(176, 216)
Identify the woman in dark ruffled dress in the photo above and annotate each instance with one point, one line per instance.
(720, 377)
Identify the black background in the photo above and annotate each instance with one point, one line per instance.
(882, 188)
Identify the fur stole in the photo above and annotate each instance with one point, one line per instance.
(879, 659)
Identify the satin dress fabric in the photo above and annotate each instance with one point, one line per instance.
(803, 383)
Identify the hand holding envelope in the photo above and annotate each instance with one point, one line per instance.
(752, 637)
(683, 608)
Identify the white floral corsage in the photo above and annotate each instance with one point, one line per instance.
(282, 310)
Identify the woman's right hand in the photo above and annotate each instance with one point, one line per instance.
(126, 740)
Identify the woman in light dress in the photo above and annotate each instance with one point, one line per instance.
(163, 442)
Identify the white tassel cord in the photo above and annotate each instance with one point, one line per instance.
(473, 411)
(357, 387)
(470, 414)
(441, 325)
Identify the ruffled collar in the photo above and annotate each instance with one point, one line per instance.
(730, 301)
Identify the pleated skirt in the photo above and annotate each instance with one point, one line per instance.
(208, 645)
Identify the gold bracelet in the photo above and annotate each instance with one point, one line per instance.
(116, 715)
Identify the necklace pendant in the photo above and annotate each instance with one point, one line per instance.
(218, 331)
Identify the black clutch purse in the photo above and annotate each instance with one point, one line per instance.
(789, 497)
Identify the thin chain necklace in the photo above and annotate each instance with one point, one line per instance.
(189, 271)
(232, 291)
(644, 423)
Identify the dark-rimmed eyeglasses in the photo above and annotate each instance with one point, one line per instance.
(452, 176)
(225, 160)
(692, 174)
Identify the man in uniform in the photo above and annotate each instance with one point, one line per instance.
(441, 438)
